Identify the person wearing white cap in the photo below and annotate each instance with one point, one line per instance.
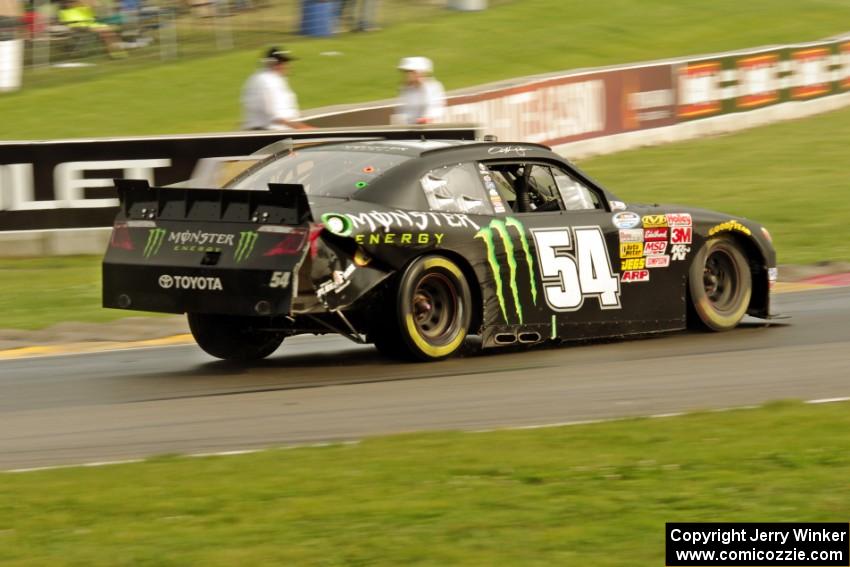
(422, 99)
(267, 101)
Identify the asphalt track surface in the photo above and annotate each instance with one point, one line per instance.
(137, 403)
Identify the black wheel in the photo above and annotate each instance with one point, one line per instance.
(431, 315)
(233, 338)
(720, 285)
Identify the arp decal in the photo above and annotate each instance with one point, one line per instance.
(655, 247)
(679, 219)
(657, 261)
(501, 228)
(681, 235)
(729, 226)
(654, 221)
(631, 235)
(574, 265)
(631, 250)
(635, 276)
(626, 219)
(632, 264)
(655, 234)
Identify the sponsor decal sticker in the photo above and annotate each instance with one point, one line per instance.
(618, 206)
(679, 219)
(185, 241)
(811, 71)
(758, 80)
(201, 283)
(657, 261)
(632, 235)
(681, 235)
(635, 276)
(155, 238)
(655, 234)
(652, 221)
(729, 226)
(699, 89)
(247, 240)
(772, 274)
(633, 264)
(679, 252)
(400, 238)
(500, 228)
(655, 247)
(626, 220)
(631, 250)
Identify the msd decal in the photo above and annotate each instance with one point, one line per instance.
(681, 235)
(655, 247)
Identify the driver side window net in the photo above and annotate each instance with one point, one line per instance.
(456, 189)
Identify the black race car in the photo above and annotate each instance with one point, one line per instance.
(413, 245)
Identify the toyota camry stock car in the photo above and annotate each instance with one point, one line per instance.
(413, 245)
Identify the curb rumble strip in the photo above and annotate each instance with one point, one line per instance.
(357, 441)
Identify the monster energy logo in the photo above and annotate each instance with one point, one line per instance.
(243, 250)
(501, 228)
(155, 238)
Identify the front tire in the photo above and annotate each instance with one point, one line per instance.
(431, 312)
(720, 284)
(232, 337)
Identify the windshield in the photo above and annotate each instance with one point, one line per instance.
(323, 172)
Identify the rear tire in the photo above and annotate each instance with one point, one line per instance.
(431, 312)
(232, 337)
(720, 285)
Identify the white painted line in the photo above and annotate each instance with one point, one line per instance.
(828, 400)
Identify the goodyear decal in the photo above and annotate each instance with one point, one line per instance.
(729, 226)
(245, 247)
(156, 236)
(500, 228)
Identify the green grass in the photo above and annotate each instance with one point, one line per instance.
(38, 292)
(790, 176)
(583, 495)
(509, 40)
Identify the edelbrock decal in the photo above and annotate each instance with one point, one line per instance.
(501, 228)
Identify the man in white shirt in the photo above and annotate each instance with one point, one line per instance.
(422, 97)
(267, 101)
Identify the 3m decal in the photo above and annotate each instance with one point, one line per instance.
(632, 264)
(568, 278)
(500, 228)
(681, 235)
(657, 261)
(631, 249)
(247, 240)
(729, 226)
(655, 234)
(679, 219)
(626, 219)
(635, 276)
(655, 247)
(679, 252)
(631, 235)
(650, 221)
(156, 236)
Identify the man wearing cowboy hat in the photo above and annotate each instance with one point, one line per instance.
(422, 97)
(267, 101)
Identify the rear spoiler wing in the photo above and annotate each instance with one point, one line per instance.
(282, 203)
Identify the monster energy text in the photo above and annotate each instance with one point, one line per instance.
(500, 228)
(243, 250)
(188, 241)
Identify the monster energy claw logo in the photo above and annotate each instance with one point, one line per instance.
(155, 238)
(501, 228)
(243, 250)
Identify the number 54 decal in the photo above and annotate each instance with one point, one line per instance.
(574, 264)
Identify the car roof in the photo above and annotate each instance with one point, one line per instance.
(419, 148)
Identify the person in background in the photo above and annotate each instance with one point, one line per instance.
(79, 16)
(422, 97)
(358, 15)
(267, 101)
